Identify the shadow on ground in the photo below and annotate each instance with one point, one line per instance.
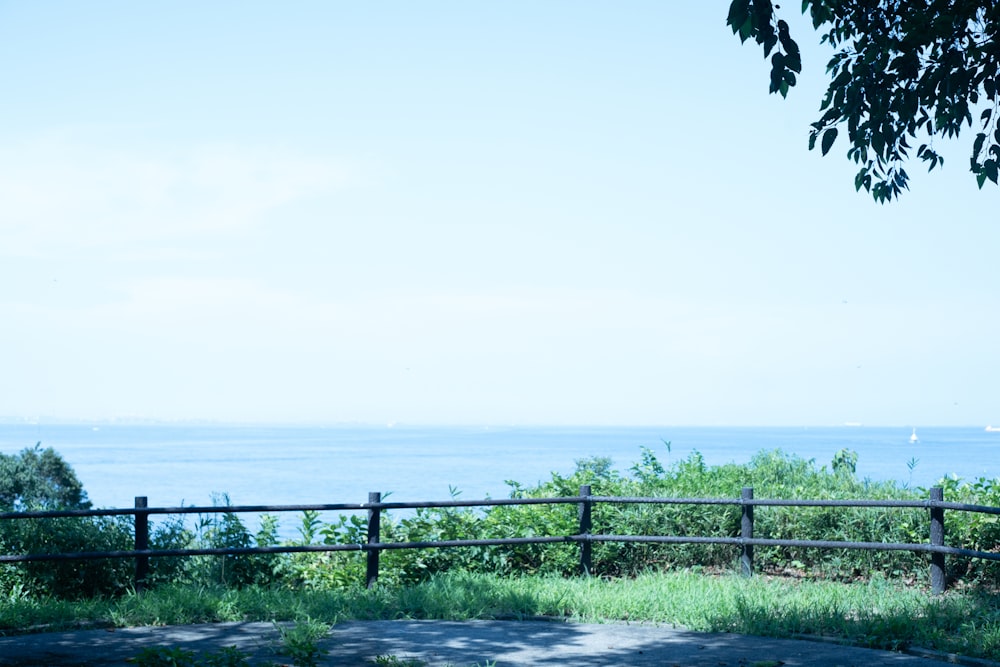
(455, 644)
(541, 644)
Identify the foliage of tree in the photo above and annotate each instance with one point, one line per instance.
(39, 479)
(903, 72)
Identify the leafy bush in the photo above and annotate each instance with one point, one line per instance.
(772, 474)
(331, 569)
(40, 480)
(973, 530)
(225, 530)
(37, 479)
(73, 578)
(84, 578)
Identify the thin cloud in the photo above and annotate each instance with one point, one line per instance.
(59, 195)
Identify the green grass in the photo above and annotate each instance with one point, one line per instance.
(876, 614)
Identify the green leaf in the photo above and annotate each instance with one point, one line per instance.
(827, 99)
(991, 171)
(777, 78)
(859, 180)
(787, 43)
(977, 145)
(878, 142)
(739, 11)
(770, 41)
(828, 138)
(981, 179)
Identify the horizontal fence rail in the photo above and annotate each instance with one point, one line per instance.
(585, 538)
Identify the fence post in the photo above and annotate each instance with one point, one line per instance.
(374, 527)
(746, 531)
(585, 526)
(937, 539)
(141, 542)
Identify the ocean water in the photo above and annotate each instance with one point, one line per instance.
(255, 465)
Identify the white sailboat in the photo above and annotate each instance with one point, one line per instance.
(913, 437)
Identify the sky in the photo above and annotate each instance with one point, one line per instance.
(558, 212)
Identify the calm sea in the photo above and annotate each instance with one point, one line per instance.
(175, 465)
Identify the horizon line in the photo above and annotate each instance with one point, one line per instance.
(391, 424)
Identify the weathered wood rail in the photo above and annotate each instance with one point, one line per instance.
(373, 546)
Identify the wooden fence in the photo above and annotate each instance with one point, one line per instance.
(585, 502)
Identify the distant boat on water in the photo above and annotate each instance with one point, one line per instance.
(913, 437)
(993, 429)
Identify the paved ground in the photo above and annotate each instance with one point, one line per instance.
(459, 644)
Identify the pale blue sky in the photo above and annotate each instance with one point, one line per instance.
(452, 212)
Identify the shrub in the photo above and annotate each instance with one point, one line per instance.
(40, 480)
(332, 569)
(37, 479)
(225, 530)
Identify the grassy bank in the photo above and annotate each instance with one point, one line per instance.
(876, 613)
